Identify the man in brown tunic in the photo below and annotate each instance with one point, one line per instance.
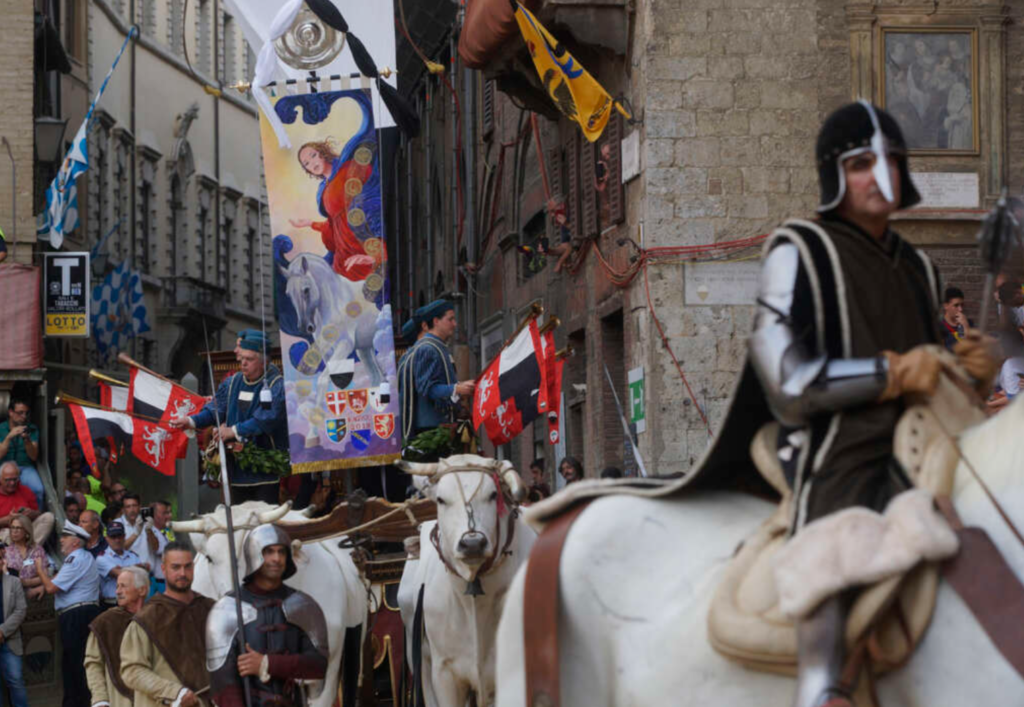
(103, 648)
(844, 309)
(163, 654)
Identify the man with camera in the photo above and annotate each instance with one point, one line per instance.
(19, 443)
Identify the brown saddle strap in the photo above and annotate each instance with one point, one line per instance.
(988, 586)
(540, 614)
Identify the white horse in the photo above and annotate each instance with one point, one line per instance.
(323, 298)
(637, 577)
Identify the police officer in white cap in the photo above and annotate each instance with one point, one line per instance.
(77, 591)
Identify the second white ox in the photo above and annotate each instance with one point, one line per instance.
(324, 571)
(482, 543)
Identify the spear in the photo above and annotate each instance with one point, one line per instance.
(998, 233)
(226, 487)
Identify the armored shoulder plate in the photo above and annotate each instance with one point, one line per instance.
(221, 628)
(303, 611)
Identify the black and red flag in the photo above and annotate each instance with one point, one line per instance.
(152, 443)
(115, 397)
(513, 391)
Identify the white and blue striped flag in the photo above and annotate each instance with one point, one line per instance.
(61, 213)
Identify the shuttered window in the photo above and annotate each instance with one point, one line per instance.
(572, 202)
(487, 109)
(588, 195)
(613, 192)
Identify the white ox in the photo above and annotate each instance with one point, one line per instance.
(324, 571)
(459, 629)
(641, 573)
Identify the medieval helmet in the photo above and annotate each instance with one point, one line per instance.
(260, 538)
(850, 131)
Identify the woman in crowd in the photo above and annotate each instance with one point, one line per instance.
(21, 554)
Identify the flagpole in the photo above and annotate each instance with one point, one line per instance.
(106, 379)
(129, 361)
(65, 399)
(229, 519)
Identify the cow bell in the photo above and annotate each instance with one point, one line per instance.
(266, 398)
(474, 588)
(309, 43)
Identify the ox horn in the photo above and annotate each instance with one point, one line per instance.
(418, 469)
(511, 478)
(189, 526)
(275, 514)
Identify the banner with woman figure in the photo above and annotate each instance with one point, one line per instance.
(330, 282)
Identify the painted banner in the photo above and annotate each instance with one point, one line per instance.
(330, 282)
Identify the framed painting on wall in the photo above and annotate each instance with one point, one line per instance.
(929, 80)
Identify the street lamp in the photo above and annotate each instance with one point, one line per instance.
(49, 138)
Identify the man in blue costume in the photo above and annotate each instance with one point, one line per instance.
(247, 416)
(427, 385)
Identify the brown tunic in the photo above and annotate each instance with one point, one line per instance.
(890, 309)
(108, 629)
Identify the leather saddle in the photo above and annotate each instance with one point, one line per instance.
(889, 617)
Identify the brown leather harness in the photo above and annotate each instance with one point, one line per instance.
(495, 559)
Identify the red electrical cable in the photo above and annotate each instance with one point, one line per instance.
(664, 340)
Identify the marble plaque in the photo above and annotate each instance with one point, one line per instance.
(947, 190)
(722, 283)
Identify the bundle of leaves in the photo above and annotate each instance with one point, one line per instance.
(429, 446)
(273, 462)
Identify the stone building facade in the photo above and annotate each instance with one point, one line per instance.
(176, 174)
(729, 97)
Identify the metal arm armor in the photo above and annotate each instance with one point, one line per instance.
(797, 383)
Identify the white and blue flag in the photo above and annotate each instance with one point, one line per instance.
(118, 309)
(61, 213)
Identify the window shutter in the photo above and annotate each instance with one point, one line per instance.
(487, 108)
(573, 197)
(613, 191)
(588, 201)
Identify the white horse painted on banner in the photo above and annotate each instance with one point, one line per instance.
(637, 577)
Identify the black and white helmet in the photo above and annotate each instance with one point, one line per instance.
(854, 129)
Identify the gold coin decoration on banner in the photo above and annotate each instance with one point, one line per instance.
(303, 388)
(363, 156)
(353, 309)
(312, 358)
(374, 282)
(373, 246)
(331, 333)
(353, 186)
(356, 218)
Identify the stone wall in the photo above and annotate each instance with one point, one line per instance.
(16, 124)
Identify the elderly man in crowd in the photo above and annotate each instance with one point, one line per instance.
(113, 561)
(103, 649)
(19, 443)
(163, 654)
(16, 499)
(90, 522)
(77, 590)
(12, 608)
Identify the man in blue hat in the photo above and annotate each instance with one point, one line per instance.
(251, 408)
(427, 385)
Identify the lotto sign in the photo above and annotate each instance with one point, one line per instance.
(66, 294)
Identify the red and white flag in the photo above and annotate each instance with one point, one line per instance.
(153, 444)
(160, 399)
(513, 391)
(553, 366)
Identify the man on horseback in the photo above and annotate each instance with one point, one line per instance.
(844, 307)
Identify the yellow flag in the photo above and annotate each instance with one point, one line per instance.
(573, 90)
